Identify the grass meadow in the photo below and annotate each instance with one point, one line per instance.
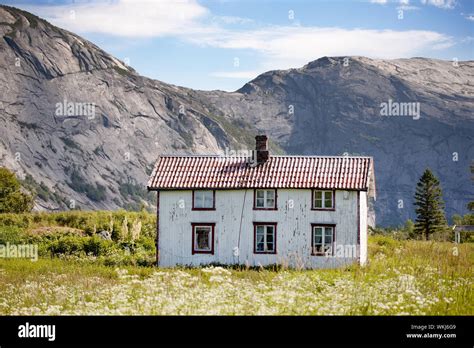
(403, 277)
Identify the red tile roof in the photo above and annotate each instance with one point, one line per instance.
(220, 172)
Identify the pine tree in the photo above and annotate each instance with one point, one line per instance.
(429, 206)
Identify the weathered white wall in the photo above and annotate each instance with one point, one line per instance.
(234, 214)
(364, 218)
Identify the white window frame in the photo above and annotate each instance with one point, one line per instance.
(199, 199)
(210, 230)
(265, 198)
(327, 250)
(265, 241)
(323, 200)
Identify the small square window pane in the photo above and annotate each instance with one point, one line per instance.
(203, 238)
(318, 195)
(260, 194)
(208, 200)
(270, 194)
(328, 231)
(327, 239)
(203, 199)
(269, 238)
(328, 199)
(260, 202)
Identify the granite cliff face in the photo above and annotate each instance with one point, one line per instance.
(84, 129)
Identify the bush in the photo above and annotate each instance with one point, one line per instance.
(60, 242)
(15, 220)
(97, 246)
(69, 245)
(12, 199)
(147, 244)
(66, 245)
(11, 234)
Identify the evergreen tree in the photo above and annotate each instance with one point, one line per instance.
(429, 206)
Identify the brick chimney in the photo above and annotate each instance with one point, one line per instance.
(261, 148)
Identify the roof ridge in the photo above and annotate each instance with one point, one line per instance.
(288, 171)
(277, 156)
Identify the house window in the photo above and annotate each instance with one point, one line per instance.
(203, 238)
(322, 239)
(323, 200)
(204, 200)
(264, 238)
(265, 199)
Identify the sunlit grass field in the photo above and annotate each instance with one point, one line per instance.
(402, 278)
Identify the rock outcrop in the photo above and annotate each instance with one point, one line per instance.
(83, 129)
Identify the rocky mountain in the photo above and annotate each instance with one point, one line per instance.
(83, 129)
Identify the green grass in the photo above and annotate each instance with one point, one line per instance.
(402, 278)
(73, 235)
(78, 273)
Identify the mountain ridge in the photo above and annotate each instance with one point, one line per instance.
(329, 106)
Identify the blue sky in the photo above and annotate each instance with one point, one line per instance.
(222, 44)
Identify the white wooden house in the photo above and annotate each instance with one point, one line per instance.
(300, 211)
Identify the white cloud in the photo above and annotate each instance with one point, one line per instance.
(380, 2)
(128, 18)
(285, 47)
(405, 6)
(277, 47)
(444, 4)
(232, 20)
(470, 17)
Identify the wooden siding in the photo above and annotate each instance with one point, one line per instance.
(234, 217)
(363, 227)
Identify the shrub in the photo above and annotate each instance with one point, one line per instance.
(12, 199)
(66, 245)
(11, 234)
(17, 220)
(97, 246)
(60, 242)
